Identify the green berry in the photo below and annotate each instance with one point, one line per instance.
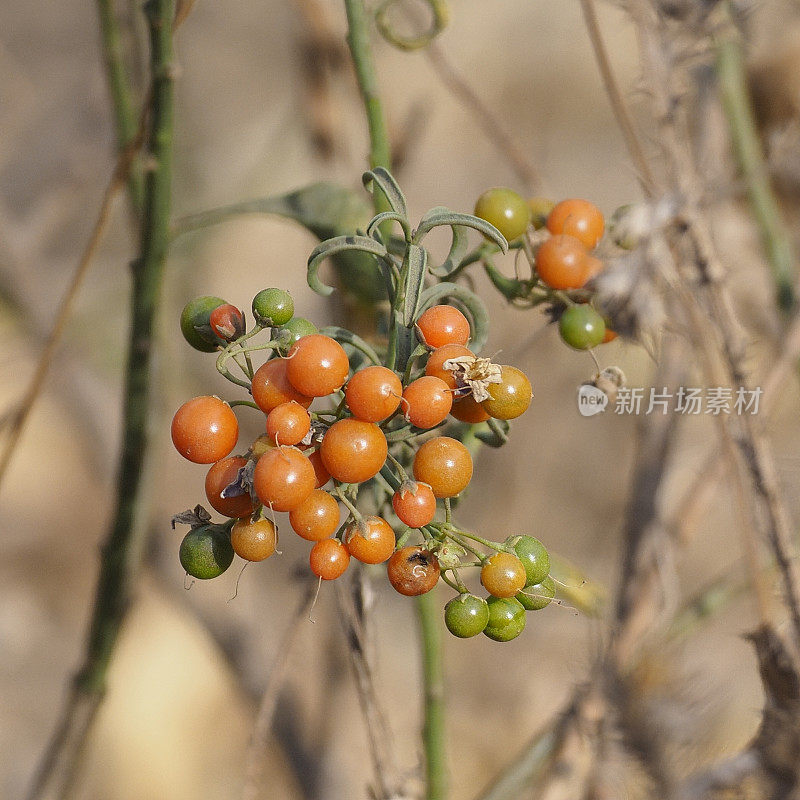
(206, 552)
(466, 615)
(195, 326)
(540, 209)
(273, 307)
(506, 210)
(506, 619)
(537, 596)
(296, 328)
(533, 554)
(582, 327)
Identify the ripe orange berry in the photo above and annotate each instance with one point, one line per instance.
(465, 409)
(322, 474)
(445, 465)
(283, 478)
(413, 571)
(437, 358)
(316, 518)
(561, 262)
(441, 325)
(353, 451)
(254, 541)
(317, 365)
(503, 575)
(288, 423)
(204, 430)
(373, 393)
(371, 541)
(578, 218)
(427, 401)
(271, 387)
(609, 336)
(594, 266)
(218, 478)
(414, 503)
(329, 559)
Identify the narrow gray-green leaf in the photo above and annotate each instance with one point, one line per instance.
(343, 336)
(383, 179)
(334, 246)
(471, 303)
(458, 249)
(385, 216)
(443, 216)
(414, 271)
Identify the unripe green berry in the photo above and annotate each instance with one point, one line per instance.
(296, 328)
(206, 552)
(538, 595)
(466, 615)
(581, 327)
(533, 554)
(506, 619)
(195, 326)
(273, 307)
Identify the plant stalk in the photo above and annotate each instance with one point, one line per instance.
(433, 732)
(775, 240)
(121, 554)
(126, 119)
(380, 156)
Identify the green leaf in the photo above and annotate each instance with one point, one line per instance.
(471, 303)
(443, 216)
(343, 336)
(324, 209)
(412, 277)
(383, 179)
(384, 216)
(335, 246)
(458, 249)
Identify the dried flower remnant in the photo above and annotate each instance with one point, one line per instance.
(473, 375)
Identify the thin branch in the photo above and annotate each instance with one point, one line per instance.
(122, 550)
(773, 525)
(486, 119)
(358, 40)
(269, 698)
(352, 609)
(775, 238)
(125, 117)
(17, 422)
(616, 99)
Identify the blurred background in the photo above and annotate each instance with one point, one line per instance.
(190, 667)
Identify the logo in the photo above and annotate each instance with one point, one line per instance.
(591, 400)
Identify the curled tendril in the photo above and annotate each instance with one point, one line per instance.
(440, 17)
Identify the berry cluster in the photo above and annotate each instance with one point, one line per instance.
(377, 432)
(561, 256)
(349, 445)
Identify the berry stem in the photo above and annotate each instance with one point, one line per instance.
(340, 491)
(399, 467)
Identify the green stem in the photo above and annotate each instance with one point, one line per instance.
(380, 156)
(126, 119)
(433, 732)
(747, 148)
(361, 52)
(122, 551)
